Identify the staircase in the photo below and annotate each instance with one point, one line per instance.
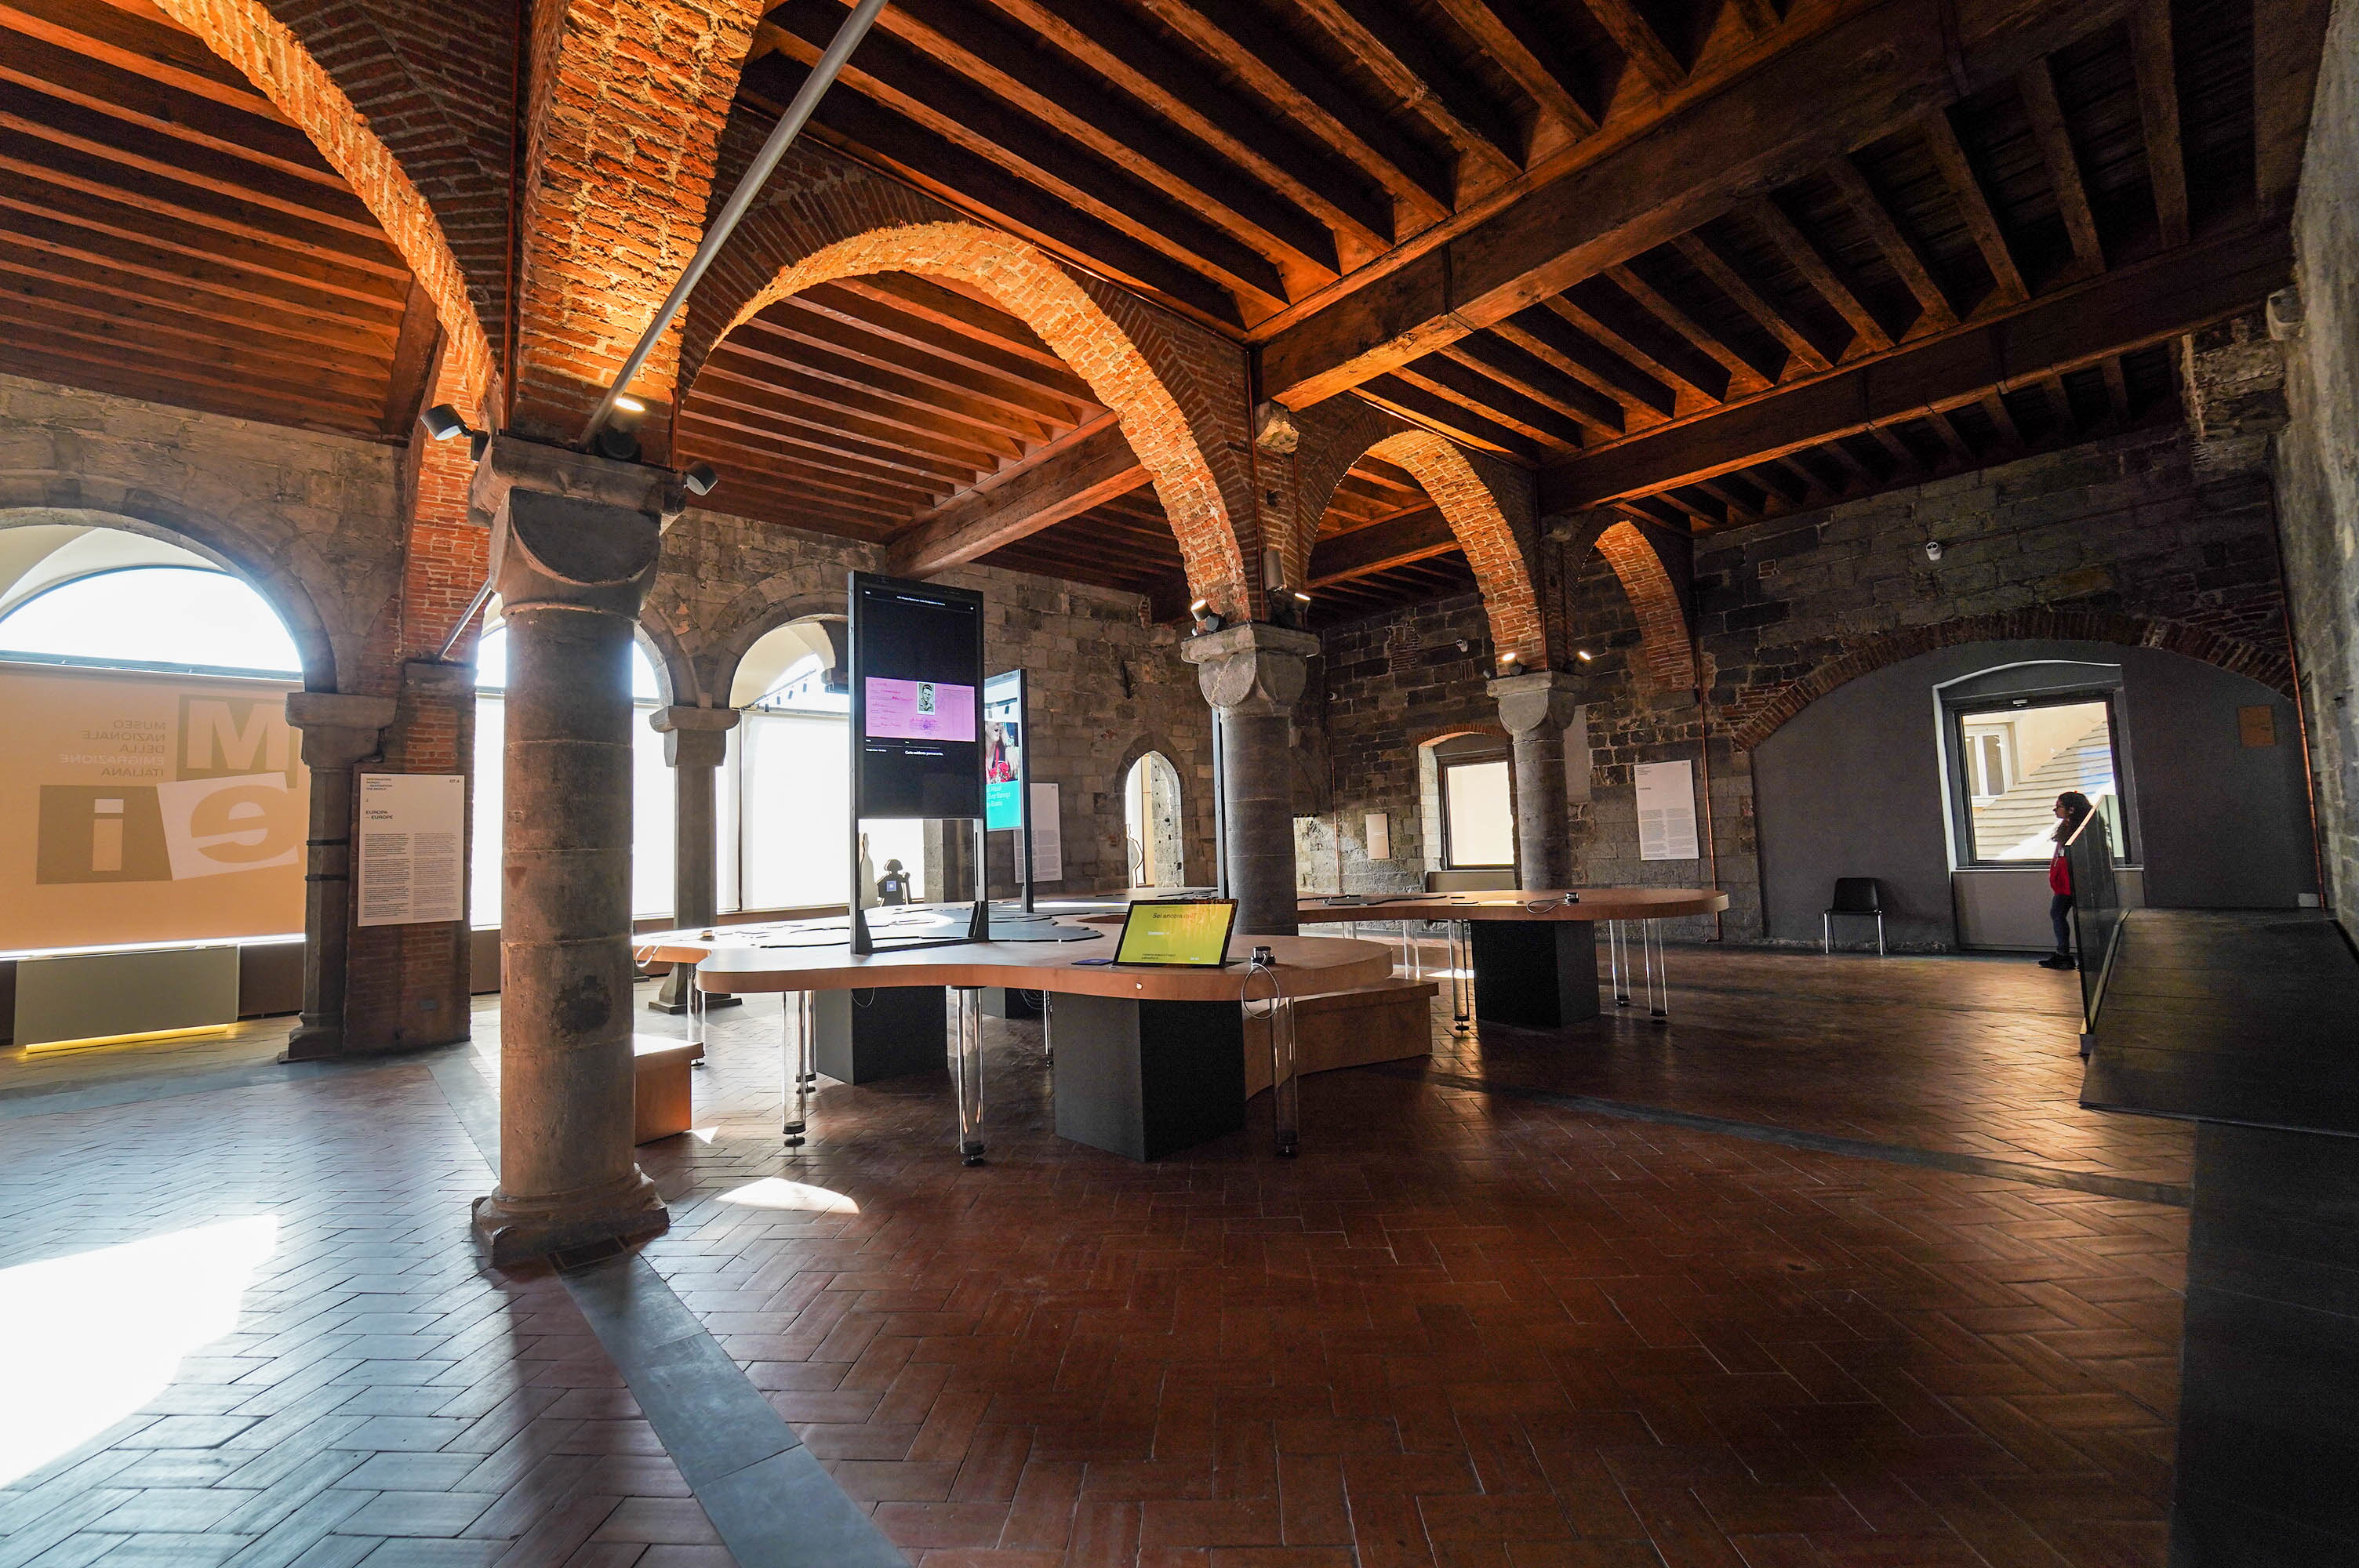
(2016, 825)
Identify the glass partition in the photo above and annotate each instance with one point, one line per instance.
(2096, 908)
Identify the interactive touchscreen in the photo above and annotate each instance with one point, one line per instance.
(1002, 751)
(1195, 932)
(916, 659)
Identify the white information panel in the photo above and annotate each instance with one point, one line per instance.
(1667, 811)
(1048, 836)
(410, 865)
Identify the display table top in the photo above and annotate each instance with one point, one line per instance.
(1588, 903)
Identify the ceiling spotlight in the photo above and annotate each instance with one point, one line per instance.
(619, 438)
(442, 422)
(1510, 659)
(1583, 655)
(628, 405)
(1300, 596)
(699, 478)
(1207, 621)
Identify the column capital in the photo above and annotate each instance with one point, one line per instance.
(1252, 668)
(339, 728)
(512, 462)
(572, 530)
(1541, 699)
(694, 737)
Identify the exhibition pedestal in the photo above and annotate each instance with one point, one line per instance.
(1145, 1078)
(888, 1032)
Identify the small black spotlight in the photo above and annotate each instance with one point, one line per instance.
(699, 478)
(1207, 621)
(442, 422)
(618, 437)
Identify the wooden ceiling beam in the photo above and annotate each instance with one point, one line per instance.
(1478, 396)
(1256, 52)
(1722, 271)
(764, 340)
(1640, 43)
(933, 97)
(1854, 79)
(2288, 45)
(408, 376)
(784, 448)
(2157, 89)
(1421, 407)
(220, 212)
(1609, 317)
(1075, 103)
(1756, 16)
(1974, 207)
(1804, 254)
(1200, 104)
(1744, 370)
(1429, 87)
(2148, 302)
(1945, 429)
(86, 232)
(1044, 491)
(1528, 53)
(127, 41)
(894, 496)
(1525, 364)
(1341, 557)
(109, 342)
(874, 312)
(1994, 406)
(1557, 333)
(906, 293)
(970, 182)
(750, 370)
(1935, 310)
(2036, 85)
(165, 330)
(35, 270)
(800, 320)
(242, 401)
(753, 405)
(2117, 388)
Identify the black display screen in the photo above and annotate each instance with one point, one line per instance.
(917, 698)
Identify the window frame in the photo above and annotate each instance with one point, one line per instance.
(1961, 780)
(1443, 767)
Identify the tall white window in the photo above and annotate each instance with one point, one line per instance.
(653, 803)
(1478, 825)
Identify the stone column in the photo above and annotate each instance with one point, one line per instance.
(1252, 676)
(696, 742)
(1539, 709)
(339, 731)
(574, 545)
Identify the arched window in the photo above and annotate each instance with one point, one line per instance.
(1151, 811)
(173, 615)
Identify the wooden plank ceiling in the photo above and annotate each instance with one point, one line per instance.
(166, 236)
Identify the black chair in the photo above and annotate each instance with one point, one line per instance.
(1853, 895)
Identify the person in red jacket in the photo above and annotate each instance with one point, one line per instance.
(2071, 809)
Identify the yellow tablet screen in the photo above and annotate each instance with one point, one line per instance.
(1175, 934)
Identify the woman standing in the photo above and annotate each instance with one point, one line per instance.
(2072, 809)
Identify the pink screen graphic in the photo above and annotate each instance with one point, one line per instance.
(919, 710)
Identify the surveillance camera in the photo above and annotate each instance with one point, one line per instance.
(1932, 550)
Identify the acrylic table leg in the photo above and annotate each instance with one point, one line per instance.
(1461, 973)
(1659, 977)
(1049, 1025)
(1285, 1084)
(1618, 941)
(695, 1017)
(966, 1070)
(800, 1014)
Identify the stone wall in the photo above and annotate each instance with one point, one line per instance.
(2150, 536)
(2318, 457)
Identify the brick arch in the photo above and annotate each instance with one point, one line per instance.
(1491, 548)
(1029, 286)
(1664, 640)
(1764, 713)
(248, 36)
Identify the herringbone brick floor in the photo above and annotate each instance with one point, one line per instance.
(1461, 1329)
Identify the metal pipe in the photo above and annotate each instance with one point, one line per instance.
(466, 619)
(749, 185)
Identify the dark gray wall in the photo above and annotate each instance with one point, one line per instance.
(1852, 787)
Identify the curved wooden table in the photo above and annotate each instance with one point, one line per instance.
(1146, 1060)
(1529, 964)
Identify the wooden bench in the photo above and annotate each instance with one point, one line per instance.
(663, 1074)
(1390, 1020)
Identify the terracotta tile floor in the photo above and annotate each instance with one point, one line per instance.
(1461, 1329)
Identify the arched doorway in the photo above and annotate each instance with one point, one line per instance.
(1152, 837)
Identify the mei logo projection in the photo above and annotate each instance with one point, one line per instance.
(230, 806)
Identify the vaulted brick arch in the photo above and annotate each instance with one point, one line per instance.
(1502, 571)
(1663, 642)
(1032, 287)
(1760, 714)
(623, 132)
(271, 57)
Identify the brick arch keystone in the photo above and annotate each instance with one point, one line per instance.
(1767, 712)
(1664, 643)
(271, 57)
(1032, 287)
(1502, 571)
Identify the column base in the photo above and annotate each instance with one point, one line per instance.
(510, 1230)
(313, 1042)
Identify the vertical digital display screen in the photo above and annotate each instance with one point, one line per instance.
(916, 660)
(1003, 751)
